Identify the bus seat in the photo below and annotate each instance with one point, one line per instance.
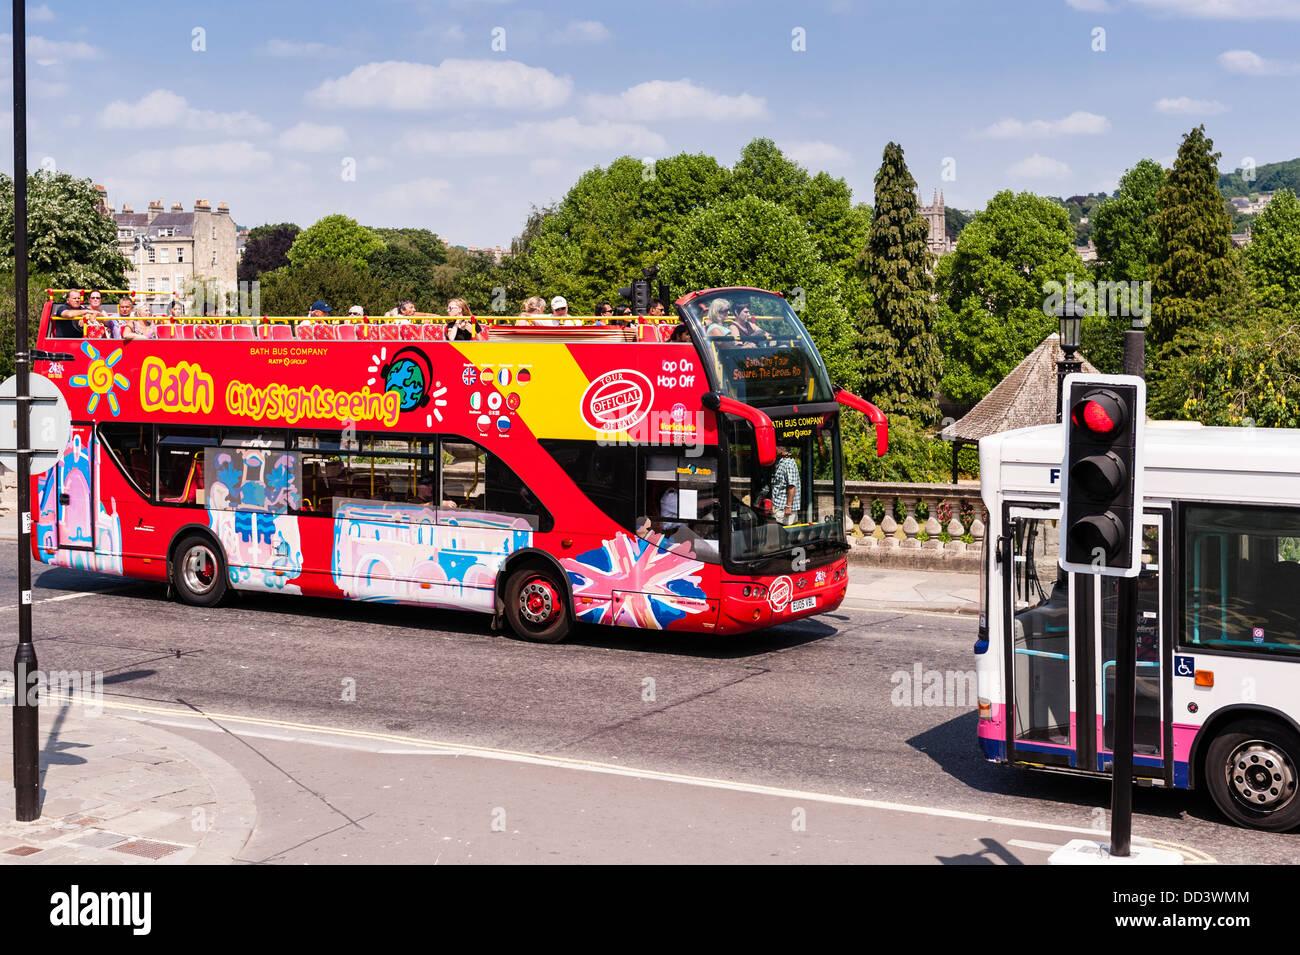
(187, 331)
(435, 332)
(206, 332)
(226, 332)
(347, 333)
(281, 332)
(410, 333)
(388, 332)
(164, 331)
(241, 332)
(325, 333)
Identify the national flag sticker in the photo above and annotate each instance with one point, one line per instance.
(503, 424)
(512, 401)
(503, 377)
(486, 376)
(524, 375)
(469, 375)
(476, 400)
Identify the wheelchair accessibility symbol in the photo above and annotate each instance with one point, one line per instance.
(1184, 666)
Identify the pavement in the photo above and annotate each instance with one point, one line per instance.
(133, 783)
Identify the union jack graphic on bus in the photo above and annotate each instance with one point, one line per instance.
(651, 586)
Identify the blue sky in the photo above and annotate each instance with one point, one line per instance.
(270, 105)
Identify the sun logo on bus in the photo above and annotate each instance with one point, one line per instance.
(100, 378)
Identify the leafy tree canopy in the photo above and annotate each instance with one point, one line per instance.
(407, 258)
(267, 249)
(335, 238)
(1269, 177)
(292, 289)
(67, 238)
(755, 242)
(1125, 233)
(992, 290)
(1272, 259)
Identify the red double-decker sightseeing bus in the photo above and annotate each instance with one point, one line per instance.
(546, 474)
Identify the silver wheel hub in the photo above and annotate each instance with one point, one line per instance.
(537, 603)
(199, 569)
(1261, 776)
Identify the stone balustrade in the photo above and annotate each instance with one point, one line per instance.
(902, 523)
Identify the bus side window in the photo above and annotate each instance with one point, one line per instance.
(180, 457)
(131, 446)
(463, 478)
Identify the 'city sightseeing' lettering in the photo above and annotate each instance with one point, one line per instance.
(185, 387)
(294, 404)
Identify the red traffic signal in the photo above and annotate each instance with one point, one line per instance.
(1101, 413)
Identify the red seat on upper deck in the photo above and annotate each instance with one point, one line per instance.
(242, 332)
(165, 330)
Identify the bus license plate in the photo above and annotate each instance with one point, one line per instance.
(803, 603)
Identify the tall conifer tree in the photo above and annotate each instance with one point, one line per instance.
(1193, 265)
(896, 336)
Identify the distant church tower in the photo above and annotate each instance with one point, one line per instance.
(937, 219)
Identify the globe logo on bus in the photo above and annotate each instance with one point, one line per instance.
(617, 401)
(407, 375)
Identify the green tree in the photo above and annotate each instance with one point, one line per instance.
(754, 242)
(765, 172)
(896, 337)
(1272, 259)
(1193, 264)
(68, 239)
(37, 283)
(267, 249)
(292, 289)
(335, 238)
(488, 286)
(1227, 371)
(1125, 233)
(407, 260)
(992, 290)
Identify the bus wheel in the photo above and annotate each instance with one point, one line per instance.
(198, 572)
(535, 606)
(1251, 771)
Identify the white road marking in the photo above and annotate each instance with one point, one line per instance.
(76, 596)
(182, 718)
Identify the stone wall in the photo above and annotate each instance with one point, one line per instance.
(921, 526)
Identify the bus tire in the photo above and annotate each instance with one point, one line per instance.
(199, 571)
(1252, 769)
(535, 606)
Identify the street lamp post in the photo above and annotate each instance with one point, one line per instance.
(1070, 319)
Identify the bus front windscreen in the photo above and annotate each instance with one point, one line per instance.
(760, 352)
(794, 502)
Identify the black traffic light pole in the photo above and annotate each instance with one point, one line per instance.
(27, 776)
(1121, 793)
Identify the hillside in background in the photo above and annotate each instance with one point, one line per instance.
(1269, 177)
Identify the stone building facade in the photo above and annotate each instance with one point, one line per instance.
(185, 248)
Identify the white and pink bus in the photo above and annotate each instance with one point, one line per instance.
(1218, 655)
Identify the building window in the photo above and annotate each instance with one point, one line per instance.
(214, 233)
(165, 286)
(166, 233)
(133, 285)
(180, 253)
(153, 253)
(149, 285)
(162, 256)
(214, 258)
(126, 233)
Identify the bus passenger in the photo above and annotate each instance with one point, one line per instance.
(680, 334)
(656, 309)
(63, 318)
(125, 308)
(533, 306)
(603, 311)
(405, 309)
(176, 309)
(719, 316)
(560, 309)
(464, 328)
(356, 311)
(137, 326)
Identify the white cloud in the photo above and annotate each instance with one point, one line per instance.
(1039, 167)
(40, 14)
(1078, 123)
(418, 192)
(454, 84)
(1090, 6)
(453, 34)
(659, 100)
(1186, 106)
(1249, 63)
(232, 157)
(45, 52)
(163, 109)
(564, 134)
(582, 32)
(297, 48)
(313, 137)
(1226, 9)
(815, 153)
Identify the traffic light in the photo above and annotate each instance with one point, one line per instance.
(1101, 475)
(639, 291)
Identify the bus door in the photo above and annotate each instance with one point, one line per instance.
(1041, 725)
(1151, 725)
(76, 489)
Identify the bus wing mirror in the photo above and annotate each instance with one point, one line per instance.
(874, 415)
(764, 430)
